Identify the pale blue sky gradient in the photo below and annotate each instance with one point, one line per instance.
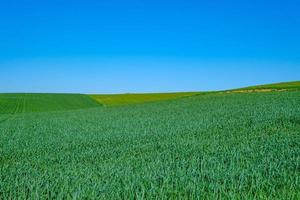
(147, 46)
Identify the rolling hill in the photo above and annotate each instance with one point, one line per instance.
(125, 99)
(26, 102)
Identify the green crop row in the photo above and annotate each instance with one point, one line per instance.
(21, 103)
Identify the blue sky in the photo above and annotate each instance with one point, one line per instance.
(147, 45)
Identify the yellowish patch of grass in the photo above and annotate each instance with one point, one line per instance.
(124, 99)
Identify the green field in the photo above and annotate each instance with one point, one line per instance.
(213, 146)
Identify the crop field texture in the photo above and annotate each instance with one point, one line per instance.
(215, 146)
(21, 103)
(123, 99)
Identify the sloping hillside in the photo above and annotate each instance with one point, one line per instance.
(295, 85)
(125, 99)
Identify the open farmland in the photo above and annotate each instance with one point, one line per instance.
(229, 146)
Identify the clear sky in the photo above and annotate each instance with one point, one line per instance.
(112, 46)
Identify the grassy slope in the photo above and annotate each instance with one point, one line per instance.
(295, 85)
(18, 103)
(216, 146)
(122, 99)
